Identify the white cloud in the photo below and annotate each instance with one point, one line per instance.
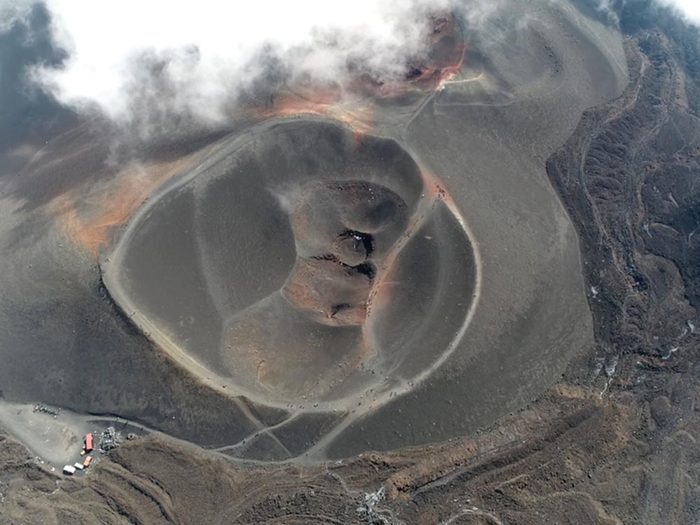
(690, 9)
(143, 61)
(13, 10)
(207, 51)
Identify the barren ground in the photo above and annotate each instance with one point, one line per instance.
(615, 440)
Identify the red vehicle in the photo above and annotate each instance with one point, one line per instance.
(88, 442)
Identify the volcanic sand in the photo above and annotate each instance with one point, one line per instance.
(326, 263)
(503, 239)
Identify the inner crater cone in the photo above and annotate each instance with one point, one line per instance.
(343, 231)
(300, 266)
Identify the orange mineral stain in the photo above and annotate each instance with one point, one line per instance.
(90, 216)
(321, 102)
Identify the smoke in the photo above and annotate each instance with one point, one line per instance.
(688, 9)
(147, 64)
(11, 12)
(129, 58)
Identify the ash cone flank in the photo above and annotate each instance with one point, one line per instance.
(342, 232)
(263, 272)
(296, 235)
(299, 262)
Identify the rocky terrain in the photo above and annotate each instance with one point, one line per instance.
(614, 441)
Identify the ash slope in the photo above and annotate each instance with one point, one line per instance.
(482, 135)
(531, 315)
(621, 446)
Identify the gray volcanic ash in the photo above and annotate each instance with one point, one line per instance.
(391, 262)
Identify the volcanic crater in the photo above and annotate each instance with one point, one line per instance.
(303, 265)
(318, 290)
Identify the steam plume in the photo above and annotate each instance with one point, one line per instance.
(689, 9)
(129, 57)
(145, 62)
